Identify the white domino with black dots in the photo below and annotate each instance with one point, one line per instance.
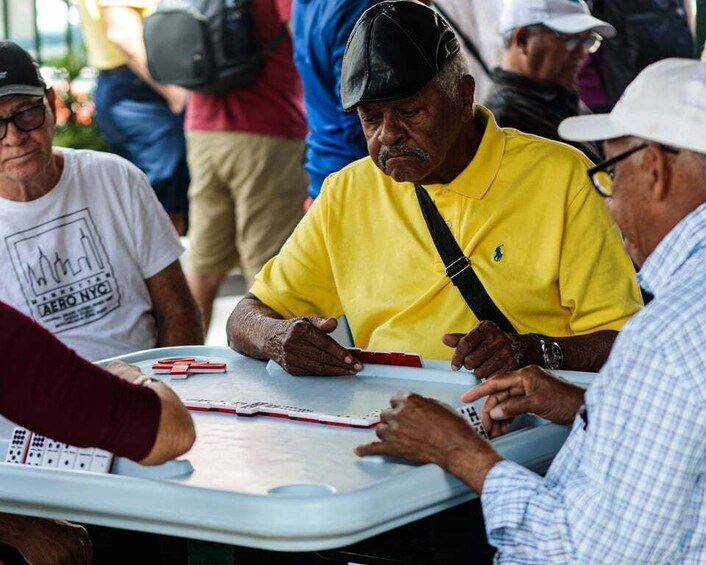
(470, 414)
(27, 448)
(19, 444)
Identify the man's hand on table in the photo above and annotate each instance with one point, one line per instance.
(487, 350)
(425, 430)
(529, 390)
(302, 347)
(124, 370)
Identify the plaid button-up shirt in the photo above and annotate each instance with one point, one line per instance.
(629, 487)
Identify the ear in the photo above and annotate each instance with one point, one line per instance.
(520, 39)
(468, 89)
(657, 163)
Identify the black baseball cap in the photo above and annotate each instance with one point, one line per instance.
(19, 72)
(395, 48)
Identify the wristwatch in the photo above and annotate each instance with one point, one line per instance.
(551, 352)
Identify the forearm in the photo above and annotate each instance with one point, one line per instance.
(182, 327)
(251, 326)
(176, 433)
(12, 528)
(177, 315)
(124, 28)
(586, 352)
(471, 464)
(581, 352)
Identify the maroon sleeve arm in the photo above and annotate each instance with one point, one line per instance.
(47, 388)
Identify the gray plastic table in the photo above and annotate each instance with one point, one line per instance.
(266, 482)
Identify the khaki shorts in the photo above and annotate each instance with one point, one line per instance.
(246, 196)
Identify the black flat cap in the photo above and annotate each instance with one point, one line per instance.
(395, 48)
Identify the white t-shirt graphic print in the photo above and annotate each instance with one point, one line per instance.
(76, 259)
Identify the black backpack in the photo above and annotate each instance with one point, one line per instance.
(205, 45)
(648, 31)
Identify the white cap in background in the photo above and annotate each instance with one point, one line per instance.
(564, 16)
(666, 103)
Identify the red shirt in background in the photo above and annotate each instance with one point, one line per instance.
(274, 105)
(47, 388)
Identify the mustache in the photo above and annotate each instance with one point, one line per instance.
(400, 151)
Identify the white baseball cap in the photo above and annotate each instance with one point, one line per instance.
(666, 103)
(564, 16)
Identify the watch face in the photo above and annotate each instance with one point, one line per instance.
(553, 357)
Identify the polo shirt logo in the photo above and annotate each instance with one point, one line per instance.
(499, 253)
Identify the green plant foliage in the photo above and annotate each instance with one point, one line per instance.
(75, 109)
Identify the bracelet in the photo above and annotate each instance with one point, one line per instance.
(143, 380)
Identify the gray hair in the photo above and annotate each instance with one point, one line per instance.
(448, 79)
(508, 36)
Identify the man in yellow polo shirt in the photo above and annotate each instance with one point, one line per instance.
(520, 207)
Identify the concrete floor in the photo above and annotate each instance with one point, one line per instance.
(231, 293)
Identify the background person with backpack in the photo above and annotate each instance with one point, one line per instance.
(245, 150)
(140, 119)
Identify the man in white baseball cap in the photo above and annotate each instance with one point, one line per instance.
(546, 42)
(565, 16)
(629, 484)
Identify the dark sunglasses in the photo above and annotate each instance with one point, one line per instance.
(24, 120)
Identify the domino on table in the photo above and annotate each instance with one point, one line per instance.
(36, 450)
(471, 415)
(52, 451)
(19, 443)
(396, 358)
(39, 451)
(367, 421)
(279, 411)
(182, 367)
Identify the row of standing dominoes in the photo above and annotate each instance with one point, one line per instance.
(396, 358)
(278, 411)
(182, 367)
(27, 448)
(306, 415)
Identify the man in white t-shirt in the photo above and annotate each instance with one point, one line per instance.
(87, 250)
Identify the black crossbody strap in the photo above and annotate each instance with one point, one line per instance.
(458, 266)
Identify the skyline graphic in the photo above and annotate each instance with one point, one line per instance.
(64, 272)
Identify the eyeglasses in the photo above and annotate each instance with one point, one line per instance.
(603, 173)
(591, 42)
(24, 120)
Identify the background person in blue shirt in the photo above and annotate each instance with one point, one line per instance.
(629, 485)
(320, 31)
